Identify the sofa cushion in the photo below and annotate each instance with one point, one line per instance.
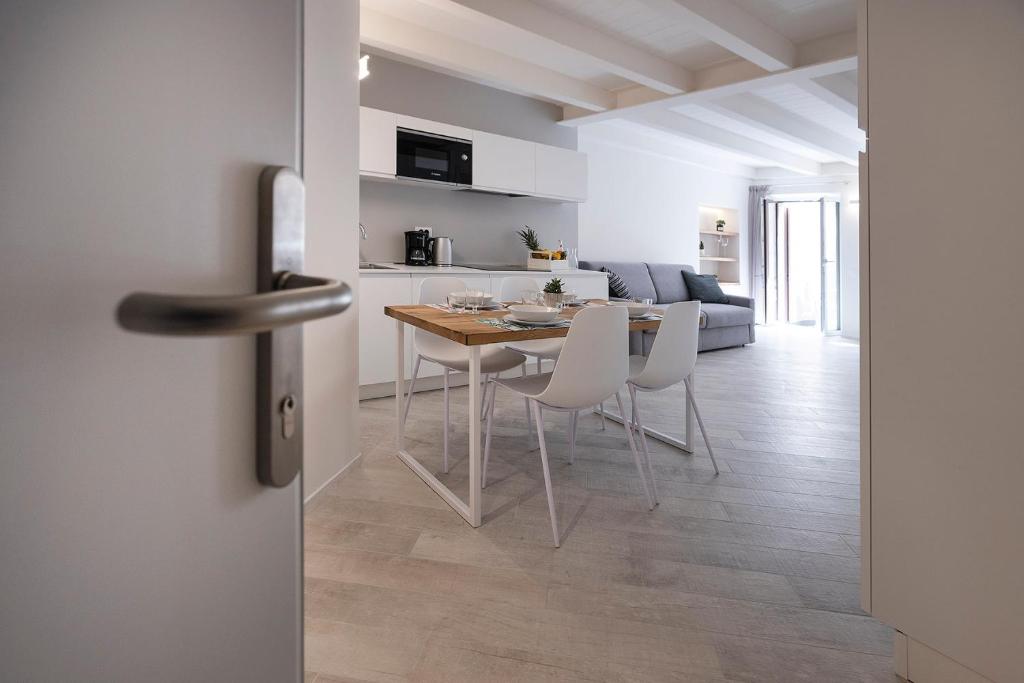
(725, 315)
(705, 288)
(668, 281)
(617, 287)
(635, 274)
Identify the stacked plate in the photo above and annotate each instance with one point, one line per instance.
(635, 309)
(533, 315)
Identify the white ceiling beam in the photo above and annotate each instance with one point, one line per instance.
(716, 91)
(637, 138)
(597, 48)
(736, 30)
(719, 138)
(839, 93)
(769, 117)
(390, 34)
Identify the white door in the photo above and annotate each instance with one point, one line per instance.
(137, 542)
(943, 544)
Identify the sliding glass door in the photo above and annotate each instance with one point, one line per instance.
(830, 300)
(802, 263)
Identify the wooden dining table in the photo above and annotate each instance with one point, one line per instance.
(466, 328)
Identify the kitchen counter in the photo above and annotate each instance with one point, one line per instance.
(402, 269)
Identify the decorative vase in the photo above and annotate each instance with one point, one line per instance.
(552, 300)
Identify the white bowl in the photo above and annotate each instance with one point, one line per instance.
(533, 313)
(460, 297)
(635, 309)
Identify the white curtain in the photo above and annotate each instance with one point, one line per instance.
(755, 219)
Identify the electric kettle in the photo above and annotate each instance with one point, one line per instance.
(442, 248)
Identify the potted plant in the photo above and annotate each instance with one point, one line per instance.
(720, 225)
(553, 291)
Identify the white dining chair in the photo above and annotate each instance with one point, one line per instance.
(452, 357)
(592, 367)
(512, 289)
(670, 362)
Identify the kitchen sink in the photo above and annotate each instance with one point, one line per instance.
(375, 266)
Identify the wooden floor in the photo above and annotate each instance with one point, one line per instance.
(748, 576)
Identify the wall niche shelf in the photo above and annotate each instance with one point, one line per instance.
(721, 254)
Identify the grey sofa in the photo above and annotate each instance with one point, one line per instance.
(721, 325)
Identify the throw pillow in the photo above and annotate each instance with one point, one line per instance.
(617, 287)
(705, 288)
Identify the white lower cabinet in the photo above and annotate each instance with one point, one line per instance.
(590, 286)
(377, 332)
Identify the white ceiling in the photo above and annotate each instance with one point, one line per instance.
(767, 83)
(803, 20)
(638, 24)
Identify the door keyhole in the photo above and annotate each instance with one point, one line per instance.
(288, 404)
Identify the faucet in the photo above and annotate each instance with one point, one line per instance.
(362, 233)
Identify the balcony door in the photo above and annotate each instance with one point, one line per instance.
(802, 263)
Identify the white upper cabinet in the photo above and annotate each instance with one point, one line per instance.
(561, 173)
(377, 139)
(435, 127)
(503, 163)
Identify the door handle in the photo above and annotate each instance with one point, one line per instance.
(294, 299)
(285, 299)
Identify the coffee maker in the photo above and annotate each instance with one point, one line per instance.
(417, 248)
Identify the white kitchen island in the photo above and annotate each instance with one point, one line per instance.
(398, 284)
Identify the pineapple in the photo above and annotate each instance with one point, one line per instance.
(529, 237)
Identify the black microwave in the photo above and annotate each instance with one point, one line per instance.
(426, 156)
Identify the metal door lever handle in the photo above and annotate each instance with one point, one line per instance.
(295, 299)
(285, 299)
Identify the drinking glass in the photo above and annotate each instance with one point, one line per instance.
(574, 258)
(457, 302)
(473, 300)
(529, 296)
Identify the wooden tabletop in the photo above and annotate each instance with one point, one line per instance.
(465, 329)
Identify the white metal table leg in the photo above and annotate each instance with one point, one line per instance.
(444, 439)
(529, 418)
(400, 387)
(688, 418)
(474, 436)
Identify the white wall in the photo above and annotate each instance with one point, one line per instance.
(642, 204)
(331, 171)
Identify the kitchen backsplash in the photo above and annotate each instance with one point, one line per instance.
(483, 226)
